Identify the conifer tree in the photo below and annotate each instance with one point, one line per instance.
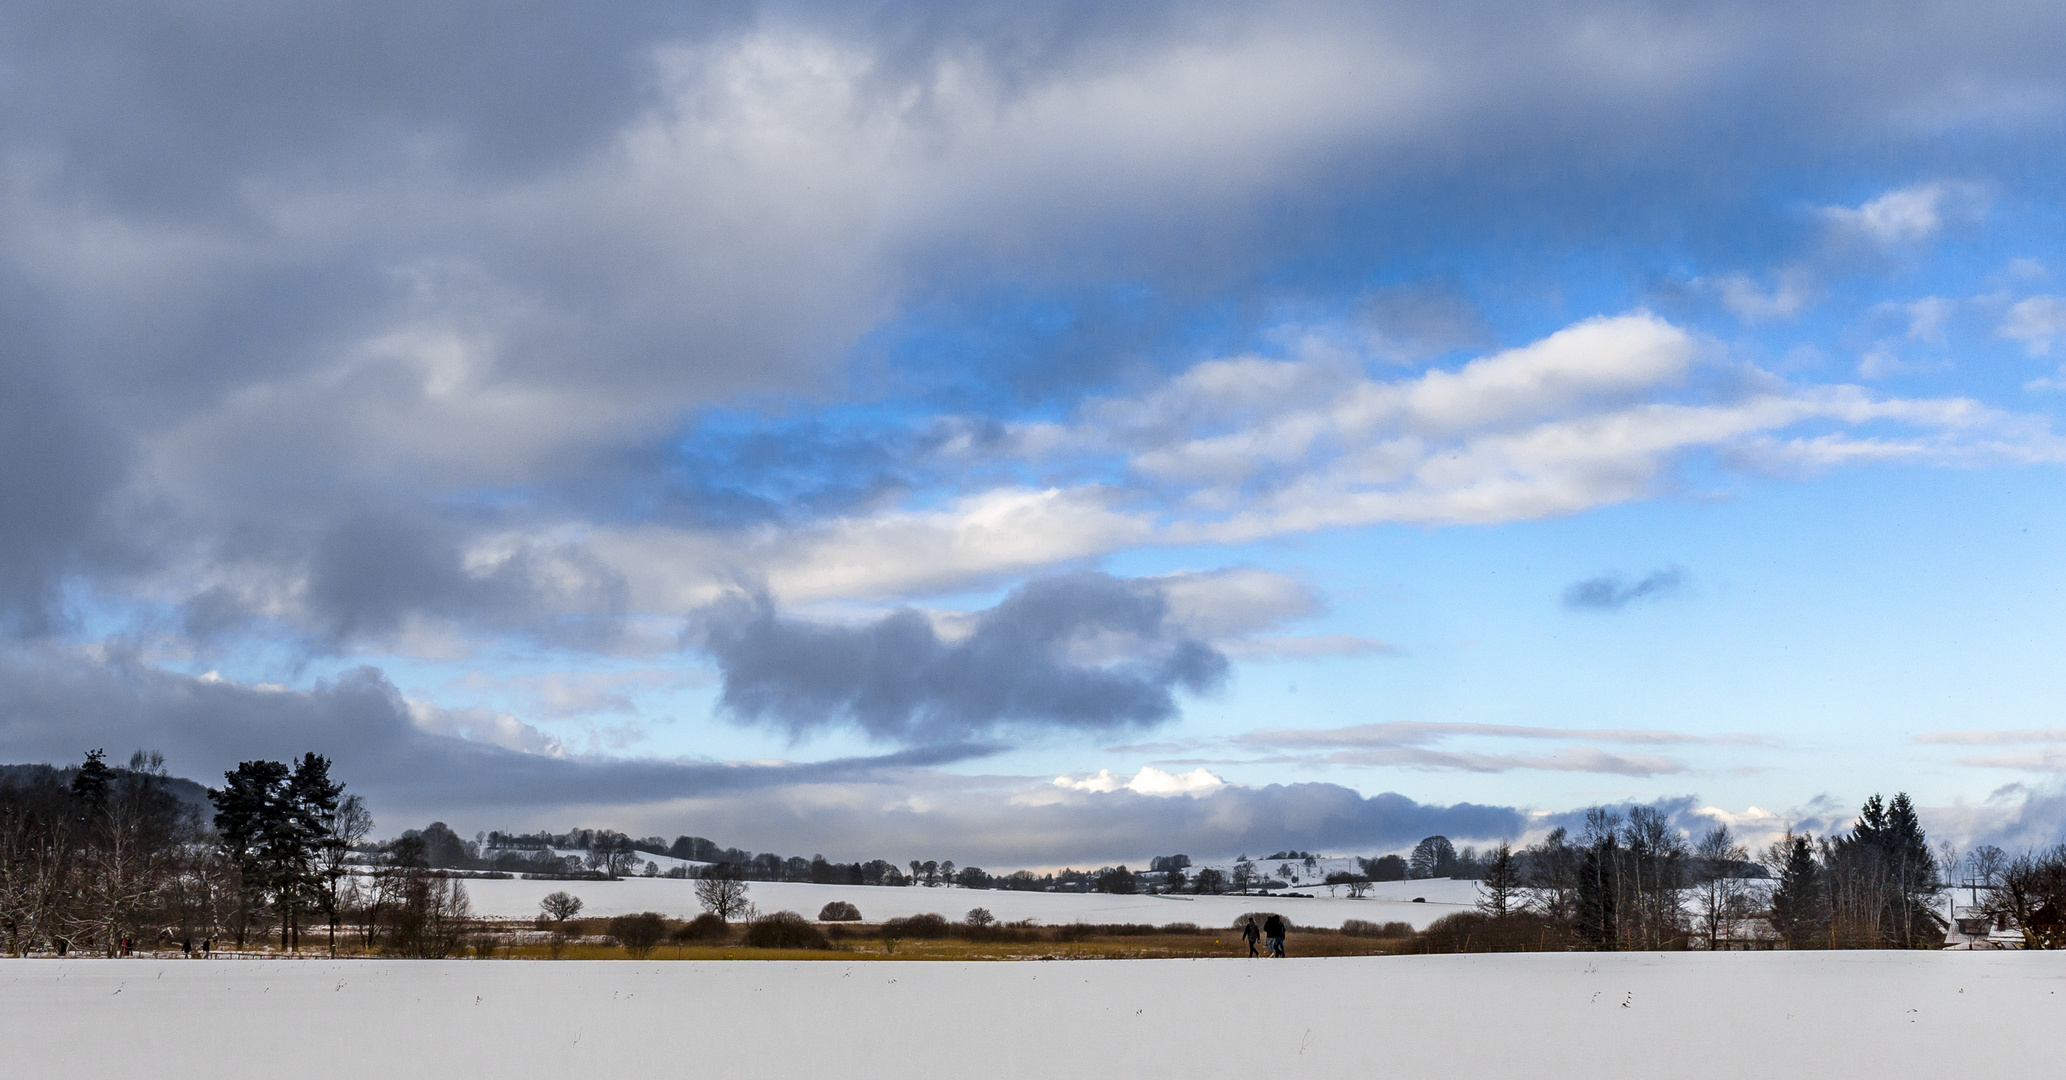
(1800, 905)
(1499, 892)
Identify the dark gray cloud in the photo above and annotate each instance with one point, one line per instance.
(62, 465)
(1611, 592)
(54, 707)
(1031, 662)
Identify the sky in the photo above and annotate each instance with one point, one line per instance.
(1044, 433)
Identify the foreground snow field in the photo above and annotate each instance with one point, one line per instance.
(517, 898)
(1689, 1015)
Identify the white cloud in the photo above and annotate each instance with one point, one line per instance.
(1602, 412)
(2048, 382)
(1750, 303)
(1417, 733)
(2037, 322)
(1927, 316)
(1149, 781)
(1307, 647)
(1995, 736)
(484, 726)
(1233, 604)
(1902, 216)
(1879, 363)
(1583, 759)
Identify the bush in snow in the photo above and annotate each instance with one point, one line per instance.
(785, 930)
(839, 911)
(704, 927)
(638, 933)
(915, 926)
(1363, 928)
(1472, 931)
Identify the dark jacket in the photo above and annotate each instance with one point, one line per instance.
(1273, 927)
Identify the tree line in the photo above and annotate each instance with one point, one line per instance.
(1632, 881)
(108, 859)
(98, 857)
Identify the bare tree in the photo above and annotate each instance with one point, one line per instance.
(348, 824)
(1433, 857)
(2030, 895)
(722, 891)
(1984, 867)
(1718, 896)
(560, 906)
(613, 856)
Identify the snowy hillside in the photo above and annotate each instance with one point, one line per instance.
(1390, 901)
(1690, 1016)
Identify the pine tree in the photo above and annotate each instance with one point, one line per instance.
(1914, 871)
(90, 784)
(274, 823)
(1499, 891)
(1599, 888)
(1800, 905)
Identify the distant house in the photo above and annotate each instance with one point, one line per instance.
(1973, 928)
(1754, 932)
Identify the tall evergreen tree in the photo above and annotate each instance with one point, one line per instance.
(1882, 879)
(1914, 868)
(1499, 892)
(1599, 894)
(275, 823)
(245, 806)
(91, 783)
(1800, 905)
(310, 804)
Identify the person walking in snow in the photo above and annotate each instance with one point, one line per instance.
(1250, 934)
(1273, 928)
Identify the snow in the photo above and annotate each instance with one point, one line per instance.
(1687, 1015)
(518, 898)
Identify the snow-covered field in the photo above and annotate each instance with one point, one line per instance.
(1685, 1015)
(1390, 901)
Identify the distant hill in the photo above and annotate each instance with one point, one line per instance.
(183, 789)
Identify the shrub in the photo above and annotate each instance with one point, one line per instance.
(1086, 931)
(839, 911)
(979, 916)
(916, 926)
(1361, 928)
(638, 933)
(785, 930)
(1471, 931)
(704, 927)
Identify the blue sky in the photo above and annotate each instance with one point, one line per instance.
(1037, 433)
